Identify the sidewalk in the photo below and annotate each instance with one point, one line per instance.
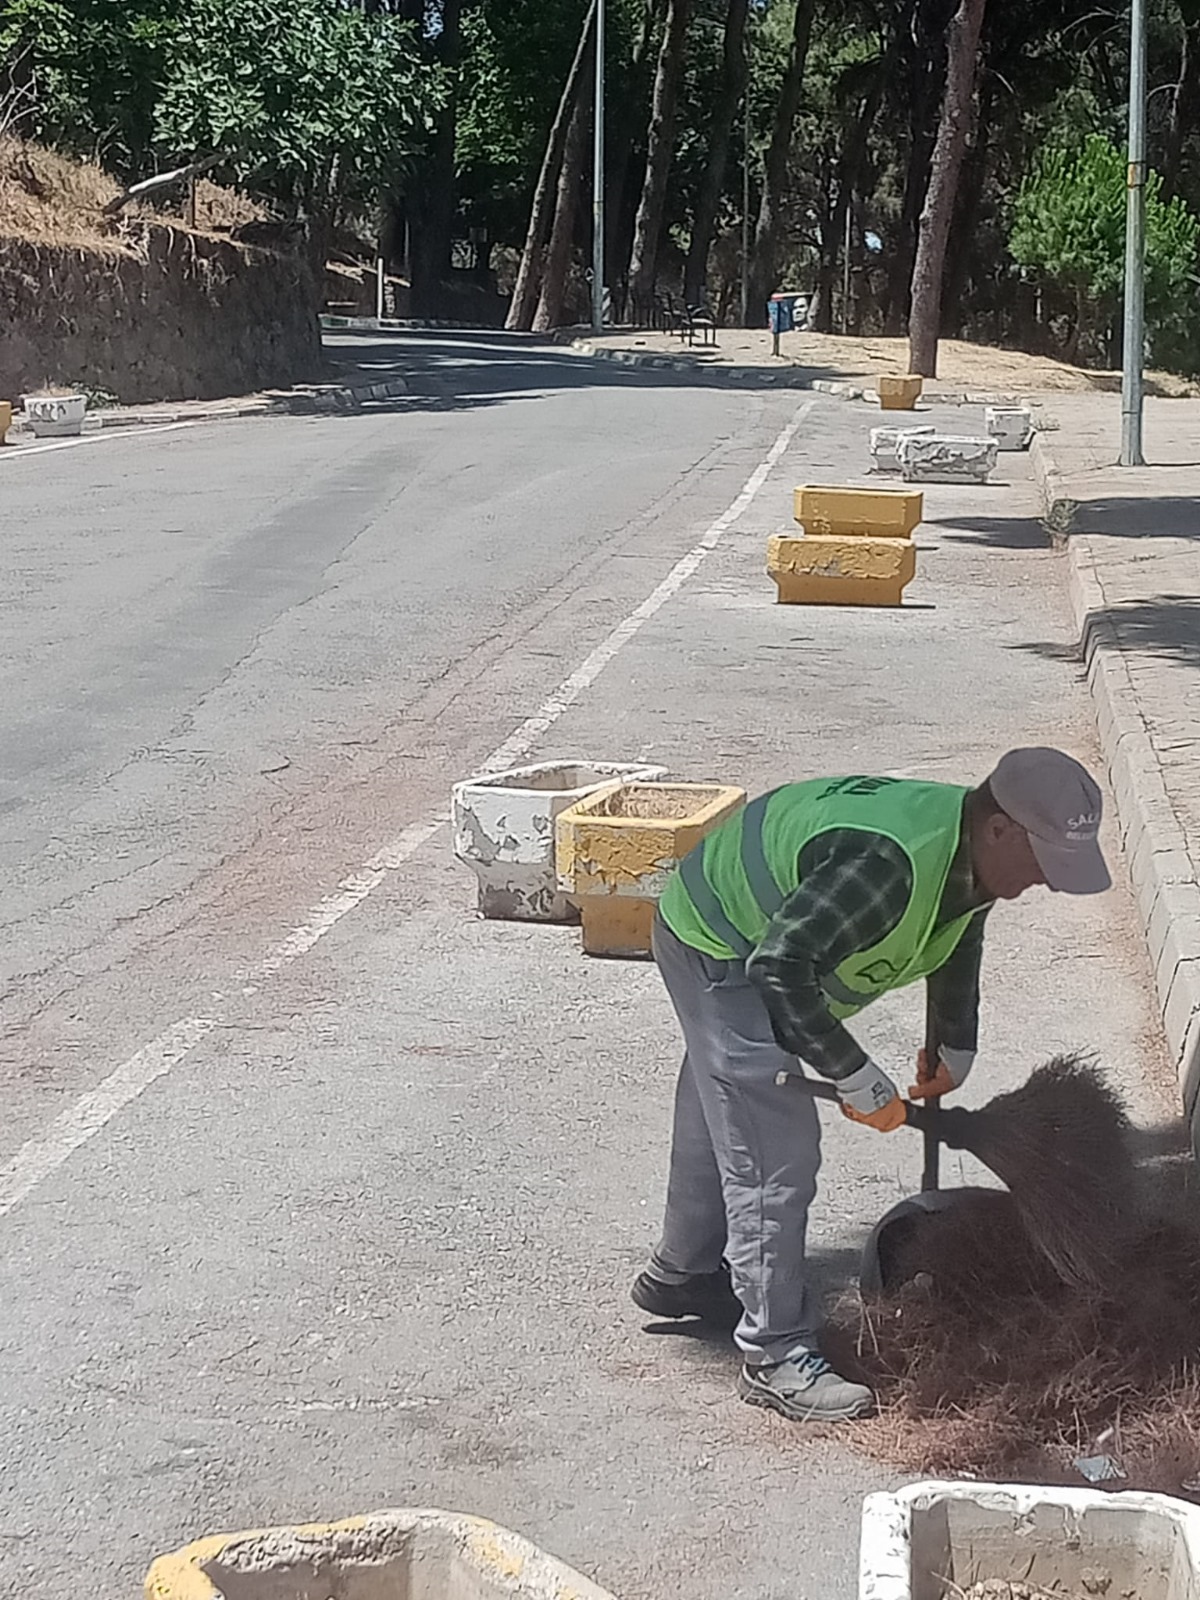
(349, 387)
(1132, 537)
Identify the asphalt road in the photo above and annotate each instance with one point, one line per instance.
(321, 1194)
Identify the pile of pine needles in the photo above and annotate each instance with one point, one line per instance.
(990, 1361)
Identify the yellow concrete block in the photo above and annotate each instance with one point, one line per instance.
(816, 570)
(868, 513)
(5, 418)
(613, 926)
(899, 394)
(617, 848)
(438, 1554)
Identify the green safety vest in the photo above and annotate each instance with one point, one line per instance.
(726, 891)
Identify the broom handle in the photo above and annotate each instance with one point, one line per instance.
(929, 1124)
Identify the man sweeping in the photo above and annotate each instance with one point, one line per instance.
(791, 917)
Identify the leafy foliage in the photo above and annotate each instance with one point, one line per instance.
(312, 100)
(315, 102)
(1069, 226)
(97, 68)
(343, 104)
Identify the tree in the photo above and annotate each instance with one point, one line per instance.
(954, 128)
(315, 104)
(763, 263)
(1069, 226)
(93, 69)
(558, 256)
(432, 191)
(731, 88)
(529, 275)
(660, 145)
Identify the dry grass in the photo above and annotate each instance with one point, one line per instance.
(986, 1363)
(960, 363)
(49, 199)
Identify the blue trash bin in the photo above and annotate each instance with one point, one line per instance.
(781, 313)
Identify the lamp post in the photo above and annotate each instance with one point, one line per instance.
(746, 205)
(1134, 347)
(598, 179)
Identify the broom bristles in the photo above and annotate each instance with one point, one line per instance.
(1061, 1145)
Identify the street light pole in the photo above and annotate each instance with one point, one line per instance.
(1134, 351)
(746, 206)
(598, 179)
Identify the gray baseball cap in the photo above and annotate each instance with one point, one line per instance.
(1059, 805)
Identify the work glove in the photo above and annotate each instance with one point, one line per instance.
(869, 1096)
(949, 1074)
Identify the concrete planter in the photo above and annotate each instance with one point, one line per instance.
(1010, 426)
(431, 1554)
(946, 458)
(921, 1541)
(55, 416)
(818, 571)
(899, 394)
(866, 513)
(504, 831)
(617, 848)
(885, 446)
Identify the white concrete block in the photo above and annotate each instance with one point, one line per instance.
(55, 416)
(1010, 426)
(504, 831)
(885, 442)
(917, 1542)
(946, 458)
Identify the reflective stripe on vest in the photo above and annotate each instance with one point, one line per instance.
(691, 870)
(754, 861)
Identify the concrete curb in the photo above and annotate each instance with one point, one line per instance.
(783, 378)
(317, 402)
(376, 1555)
(1156, 847)
(384, 324)
(1059, 509)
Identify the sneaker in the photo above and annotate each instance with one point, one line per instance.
(707, 1295)
(805, 1388)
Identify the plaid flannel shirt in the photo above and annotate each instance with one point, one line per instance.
(854, 888)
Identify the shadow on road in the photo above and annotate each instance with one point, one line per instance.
(455, 371)
(996, 533)
(1165, 516)
(1167, 626)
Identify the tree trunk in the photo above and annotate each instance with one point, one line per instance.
(917, 57)
(954, 129)
(621, 130)
(660, 147)
(1185, 105)
(766, 231)
(523, 304)
(971, 190)
(847, 175)
(436, 198)
(708, 201)
(562, 234)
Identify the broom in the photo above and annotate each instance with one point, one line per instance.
(1060, 1145)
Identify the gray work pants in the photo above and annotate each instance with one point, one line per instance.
(744, 1154)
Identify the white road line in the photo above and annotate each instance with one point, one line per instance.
(18, 452)
(78, 1123)
(39, 1158)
